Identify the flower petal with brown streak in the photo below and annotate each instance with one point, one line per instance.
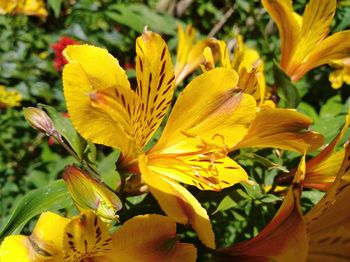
(281, 128)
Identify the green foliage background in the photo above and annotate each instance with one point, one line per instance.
(27, 162)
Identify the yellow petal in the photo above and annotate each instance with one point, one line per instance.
(209, 108)
(336, 46)
(32, 7)
(155, 78)
(283, 239)
(323, 168)
(15, 248)
(93, 82)
(149, 238)
(86, 236)
(282, 13)
(208, 171)
(336, 78)
(7, 6)
(281, 128)
(317, 18)
(328, 222)
(48, 233)
(178, 203)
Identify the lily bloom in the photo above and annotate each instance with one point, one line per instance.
(210, 117)
(86, 238)
(323, 234)
(341, 73)
(303, 39)
(189, 52)
(27, 7)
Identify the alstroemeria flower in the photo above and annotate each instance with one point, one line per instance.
(56, 238)
(9, 98)
(189, 52)
(209, 117)
(323, 234)
(304, 41)
(341, 72)
(90, 194)
(27, 7)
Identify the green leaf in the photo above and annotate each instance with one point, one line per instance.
(52, 197)
(137, 16)
(262, 160)
(65, 128)
(56, 6)
(254, 191)
(107, 169)
(287, 92)
(226, 203)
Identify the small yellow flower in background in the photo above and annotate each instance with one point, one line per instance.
(323, 234)
(189, 52)
(303, 39)
(210, 117)
(27, 7)
(341, 73)
(55, 238)
(8, 98)
(90, 194)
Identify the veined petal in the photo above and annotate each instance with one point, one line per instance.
(283, 239)
(45, 243)
(208, 108)
(323, 168)
(85, 236)
(281, 128)
(178, 203)
(155, 78)
(282, 13)
(93, 91)
(328, 222)
(149, 238)
(336, 46)
(207, 171)
(317, 18)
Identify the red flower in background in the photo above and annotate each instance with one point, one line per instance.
(58, 47)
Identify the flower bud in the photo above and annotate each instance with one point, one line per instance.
(40, 121)
(88, 193)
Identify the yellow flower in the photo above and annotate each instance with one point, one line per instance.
(323, 234)
(210, 117)
(8, 98)
(189, 52)
(303, 39)
(341, 73)
(27, 7)
(57, 238)
(91, 194)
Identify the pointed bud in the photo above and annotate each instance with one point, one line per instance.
(40, 121)
(88, 193)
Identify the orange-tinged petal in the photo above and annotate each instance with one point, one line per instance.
(178, 203)
(281, 128)
(209, 171)
(208, 108)
(155, 79)
(328, 222)
(86, 236)
(89, 88)
(317, 18)
(323, 168)
(336, 46)
(149, 238)
(288, 26)
(283, 239)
